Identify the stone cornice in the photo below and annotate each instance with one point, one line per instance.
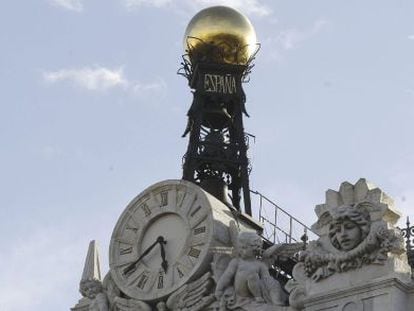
(361, 289)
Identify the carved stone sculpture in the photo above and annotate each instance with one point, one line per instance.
(356, 229)
(91, 283)
(193, 296)
(124, 304)
(111, 290)
(94, 291)
(349, 226)
(246, 283)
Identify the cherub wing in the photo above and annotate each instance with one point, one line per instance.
(223, 255)
(193, 296)
(281, 252)
(219, 265)
(271, 253)
(122, 304)
(234, 233)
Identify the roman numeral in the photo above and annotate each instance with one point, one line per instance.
(195, 211)
(164, 198)
(124, 251)
(129, 270)
(135, 230)
(199, 230)
(194, 252)
(180, 273)
(186, 202)
(180, 196)
(146, 209)
(160, 281)
(183, 267)
(142, 281)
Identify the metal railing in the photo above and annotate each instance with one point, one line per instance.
(408, 234)
(279, 225)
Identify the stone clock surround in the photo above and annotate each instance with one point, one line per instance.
(147, 216)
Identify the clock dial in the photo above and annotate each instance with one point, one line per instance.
(174, 229)
(161, 240)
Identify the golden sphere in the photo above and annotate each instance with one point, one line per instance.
(220, 34)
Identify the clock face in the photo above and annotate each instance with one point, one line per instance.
(174, 212)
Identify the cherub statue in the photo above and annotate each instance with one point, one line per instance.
(94, 291)
(246, 283)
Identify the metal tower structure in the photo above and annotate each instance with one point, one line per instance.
(216, 156)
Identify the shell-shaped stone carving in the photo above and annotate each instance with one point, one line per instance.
(378, 204)
(355, 227)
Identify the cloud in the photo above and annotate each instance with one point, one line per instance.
(292, 38)
(133, 4)
(142, 87)
(100, 79)
(247, 6)
(254, 7)
(411, 37)
(71, 5)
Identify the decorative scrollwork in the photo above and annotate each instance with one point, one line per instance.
(356, 229)
(215, 53)
(408, 234)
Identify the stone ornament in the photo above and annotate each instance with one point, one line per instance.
(91, 283)
(358, 246)
(94, 291)
(355, 226)
(356, 229)
(245, 283)
(162, 239)
(194, 296)
(356, 305)
(177, 248)
(123, 304)
(162, 248)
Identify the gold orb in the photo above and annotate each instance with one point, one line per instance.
(220, 34)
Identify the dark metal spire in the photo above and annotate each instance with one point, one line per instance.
(216, 156)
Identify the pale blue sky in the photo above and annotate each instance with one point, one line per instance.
(92, 112)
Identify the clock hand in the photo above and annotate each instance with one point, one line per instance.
(131, 267)
(164, 263)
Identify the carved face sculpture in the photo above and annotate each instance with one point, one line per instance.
(249, 245)
(161, 306)
(347, 234)
(349, 227)
(90, 288)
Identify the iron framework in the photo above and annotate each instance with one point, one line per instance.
(408, 234)
(217, 148)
